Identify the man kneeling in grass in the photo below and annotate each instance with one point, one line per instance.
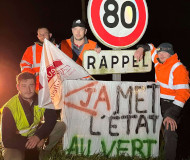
(22, 129)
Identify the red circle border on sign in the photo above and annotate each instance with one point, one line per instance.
(118, 41)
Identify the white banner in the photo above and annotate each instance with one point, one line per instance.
(112, 118)
(55, 67)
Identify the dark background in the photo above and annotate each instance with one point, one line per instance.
(19, 20)
(169, 21)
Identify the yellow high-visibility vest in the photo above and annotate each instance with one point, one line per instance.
(20, 118)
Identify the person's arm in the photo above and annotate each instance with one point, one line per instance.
(142, 48)
(170, 123)
(50, 120)
(139, 53)
(43, 131)
(10, 137)
(181, 85)
(27, 61)
(32, 142)
(97, 49)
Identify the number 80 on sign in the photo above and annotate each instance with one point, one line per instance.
(118, 23)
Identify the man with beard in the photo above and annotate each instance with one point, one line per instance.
(32, 56)
(22, 128)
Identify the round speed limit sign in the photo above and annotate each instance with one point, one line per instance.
(118, 23)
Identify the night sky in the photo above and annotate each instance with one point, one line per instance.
(169, 21)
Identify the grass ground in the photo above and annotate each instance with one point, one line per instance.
(58, 154)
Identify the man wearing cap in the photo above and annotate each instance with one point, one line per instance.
(173, 78)
(78, 43)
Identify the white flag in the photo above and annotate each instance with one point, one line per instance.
(55, 67)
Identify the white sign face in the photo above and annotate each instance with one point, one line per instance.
(112, 118)
(110, 61)
(118, 23)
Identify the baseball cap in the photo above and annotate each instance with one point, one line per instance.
(166, 47)
(78, 23)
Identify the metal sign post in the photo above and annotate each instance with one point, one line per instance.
(116, 76)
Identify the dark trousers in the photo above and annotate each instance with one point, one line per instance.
(56, 135)
(170, 147)
(170, 137)
(183, 149)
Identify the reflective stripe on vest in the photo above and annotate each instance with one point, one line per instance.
(153, 55)
(154, 52)
(155, 73)
(25, 62)
(176, 102)
(24, 68)
(35, 64)
(170, 82)
(167, 96)
(27, 130)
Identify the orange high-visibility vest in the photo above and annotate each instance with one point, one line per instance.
(31, 61)
(173, 78)
(66, 47)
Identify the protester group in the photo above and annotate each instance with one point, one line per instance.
(28, 127)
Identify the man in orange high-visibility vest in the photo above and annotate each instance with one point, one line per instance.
(32, 56)
(173, 78)
(78, 43)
